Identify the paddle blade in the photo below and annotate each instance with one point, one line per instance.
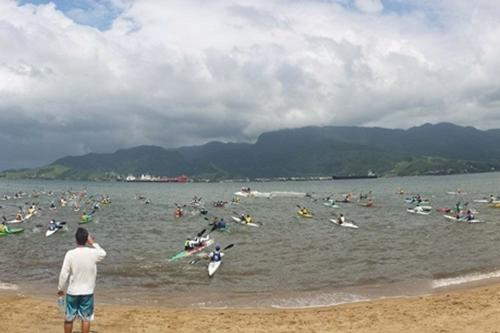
(201, 232)
(228, 247)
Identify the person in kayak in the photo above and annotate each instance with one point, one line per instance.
(220, 224)
(341, 219)
(418, 208)
(3, 227)
(178, 212)
(53, 225)
(19, 215)
(304, 211)
(216, 255)
(190, 244)
(246, 218)
(469, 216)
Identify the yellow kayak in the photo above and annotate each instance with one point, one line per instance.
(307, 215)
(495, 205)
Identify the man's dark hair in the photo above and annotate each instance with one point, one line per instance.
(81, 236)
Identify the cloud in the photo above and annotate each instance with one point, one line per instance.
(369, 6)
(186, 72)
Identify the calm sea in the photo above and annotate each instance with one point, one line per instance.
(287, 262)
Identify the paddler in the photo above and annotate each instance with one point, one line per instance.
(3, 227)
(304, 211)
(341, 219)
(216, 255)
(19, 216)
(190, 244)
(418, 209)
(220, 224)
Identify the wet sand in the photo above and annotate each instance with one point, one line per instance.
(466, 310)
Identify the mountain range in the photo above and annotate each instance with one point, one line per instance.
(442, 148)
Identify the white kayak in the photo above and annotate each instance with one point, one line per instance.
(330, 204)
(455, 219)
(237, 219)
(51, 232)
(418, 212)
(345, 224)
(14, 221)
(213, 266)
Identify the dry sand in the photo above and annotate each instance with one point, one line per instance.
(467, 310)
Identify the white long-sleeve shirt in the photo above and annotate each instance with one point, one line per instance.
(80, 267)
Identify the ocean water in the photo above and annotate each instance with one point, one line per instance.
(287, 262)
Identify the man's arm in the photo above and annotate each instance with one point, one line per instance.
(99, 251)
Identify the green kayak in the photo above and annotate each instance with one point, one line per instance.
(12, 231)
(85, 219)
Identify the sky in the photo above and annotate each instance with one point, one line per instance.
(80, 76)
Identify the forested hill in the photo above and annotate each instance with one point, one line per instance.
(310, 151)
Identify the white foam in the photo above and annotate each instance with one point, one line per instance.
(324, 300)
(287, 194)
(473, 277)
(8, 286)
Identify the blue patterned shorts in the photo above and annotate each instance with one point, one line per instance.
(80, 305)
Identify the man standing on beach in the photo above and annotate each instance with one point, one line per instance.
(79, 267)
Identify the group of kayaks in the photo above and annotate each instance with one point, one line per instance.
(53, 226)
(461, 213)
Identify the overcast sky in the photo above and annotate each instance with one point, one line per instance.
(94, 76)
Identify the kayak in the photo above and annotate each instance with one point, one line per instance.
(455, 219)
(213, 266)
(345, 224)
(29, 215)
(12, 231)
(251, 224)
(51, 232)
(308, 215)
(413, 211)
(85, 219)
(187, 253)
(414, 201)
(330, 204)
(225, 229)
(495, 205)
(15, 221)
(443, 210)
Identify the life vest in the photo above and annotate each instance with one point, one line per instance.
(216, 256)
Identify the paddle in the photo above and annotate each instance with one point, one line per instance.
(194, 261)
(201, 233)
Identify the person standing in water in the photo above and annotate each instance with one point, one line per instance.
(79, 267)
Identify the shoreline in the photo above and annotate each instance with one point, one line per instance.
(472, 309)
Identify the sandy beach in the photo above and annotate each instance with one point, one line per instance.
(466, 310)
